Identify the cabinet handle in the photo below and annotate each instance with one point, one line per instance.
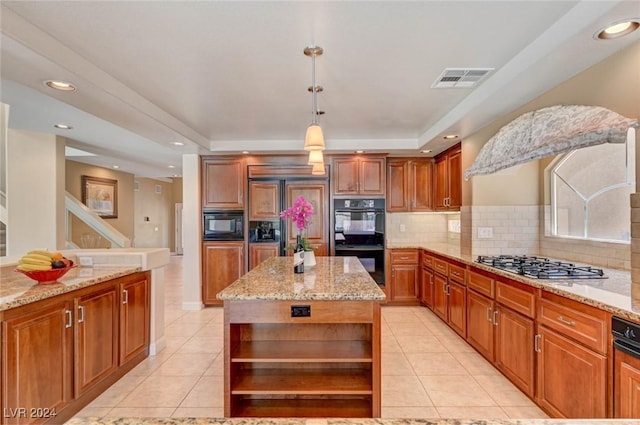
(489, 314)
(431, 279)
(404, 258)
(566, 322)
(69, 319)
(448, 288)
(495, 318)
(536, 343)
(125, 296)
(81, 314)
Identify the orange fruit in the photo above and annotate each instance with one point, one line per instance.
(57, 256)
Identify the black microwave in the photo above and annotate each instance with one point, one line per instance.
(223, 226)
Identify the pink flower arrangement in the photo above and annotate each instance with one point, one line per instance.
(300, 213)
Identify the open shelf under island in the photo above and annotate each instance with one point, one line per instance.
(303, 345)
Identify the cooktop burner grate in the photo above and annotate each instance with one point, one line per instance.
(540, 267)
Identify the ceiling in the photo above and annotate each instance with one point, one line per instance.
(228, 76)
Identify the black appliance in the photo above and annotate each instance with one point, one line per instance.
(223, 225)
(359, 231)
(540, 267)
(626, 361)
(264, 231)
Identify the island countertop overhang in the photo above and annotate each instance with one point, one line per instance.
(331, 279)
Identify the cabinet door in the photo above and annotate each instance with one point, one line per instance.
(223, 183)
(515, 348)
(223, 263)
(626, 385)
(404, 279)
(421, 185)
(426, 287)
(440, 297)
(441, 183)
(134, 317)
(264, 200)
(571, 378)
(454, 171)
(371, 176)
(96, 337)
(345, 176)
(397, 186)
(480, 324)
(458, 308)
(37, 359)
(317, 194)
(259, 252)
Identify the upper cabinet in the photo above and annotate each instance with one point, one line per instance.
(409, 184)
(264, 200)
(359, 175)
(223, 183)
(448, 180)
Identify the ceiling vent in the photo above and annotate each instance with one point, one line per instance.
(462, 78)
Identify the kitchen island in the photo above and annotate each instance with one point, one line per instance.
(303, 345)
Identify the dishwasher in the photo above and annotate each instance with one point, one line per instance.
(626, 368)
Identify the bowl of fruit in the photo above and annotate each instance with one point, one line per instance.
(44, 266)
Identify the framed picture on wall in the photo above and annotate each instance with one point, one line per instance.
(100, 196)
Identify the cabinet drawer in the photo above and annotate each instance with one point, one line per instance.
(589, 329)
(457, 273)
(404, 257)
(427, 260)
(441, 266)
(481, 284)
(266, 311)
(517, 297)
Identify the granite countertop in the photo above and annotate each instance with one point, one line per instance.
(337, 421)
(615, 294)
(17, 289)
(332, 278)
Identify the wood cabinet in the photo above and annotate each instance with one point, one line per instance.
(96, 337)
(403, 283)
(323, 365)
(426, 287)
(264, 200)
(572, 365)
(626, 391)
(359, 175)
(259, 252)
(223, 263)
(448, 180)
(480, 329)
(409, 184)
(440, 297)
(135, 311)
(223, 183)
(59, 353)
(450, 295)
(317, 233)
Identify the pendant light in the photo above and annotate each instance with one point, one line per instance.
(314, 140)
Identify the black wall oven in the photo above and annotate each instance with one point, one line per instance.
(223, 226)
(359, 232)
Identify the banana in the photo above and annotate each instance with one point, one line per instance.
(28, 260)
(42, 252)
(32, 267)
(37, 257)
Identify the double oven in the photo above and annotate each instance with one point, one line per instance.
(359, 232)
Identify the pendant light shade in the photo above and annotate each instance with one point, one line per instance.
(314, 141)
(318, 170)
(315, 157)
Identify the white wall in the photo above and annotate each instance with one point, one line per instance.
(192, 273)
(35, 192)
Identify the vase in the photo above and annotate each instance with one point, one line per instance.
(309, 259)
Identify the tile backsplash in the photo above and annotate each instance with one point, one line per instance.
(511, 229)
(421, 228)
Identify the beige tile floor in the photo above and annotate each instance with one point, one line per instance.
(427, 370)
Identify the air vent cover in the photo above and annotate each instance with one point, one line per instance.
(460, 78)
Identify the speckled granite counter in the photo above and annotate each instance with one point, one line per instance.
(331, 279)
(17, 289)
(615, 294)
(278, 421)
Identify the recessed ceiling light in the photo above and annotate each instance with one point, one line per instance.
(359, 151)
(450, 136)
(116, 166)
(171, 166)
(60, 85)
(245, 152)
(63, 126)
(425, 151)
(617, 29)
(177, 143)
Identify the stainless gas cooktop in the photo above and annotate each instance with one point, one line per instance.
(540, 267)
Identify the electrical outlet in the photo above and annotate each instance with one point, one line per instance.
(402, 228)
(485, 232)
(86, 261)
